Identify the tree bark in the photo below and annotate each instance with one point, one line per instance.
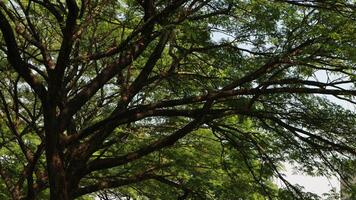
(58, 181)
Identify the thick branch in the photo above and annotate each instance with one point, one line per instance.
(106, 74)
(15, 59)
(56, 76)
(105, 184)
(155, 146)
(140, 81)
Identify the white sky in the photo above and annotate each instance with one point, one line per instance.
(317, 185)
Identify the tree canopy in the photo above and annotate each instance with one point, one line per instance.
(174, 99)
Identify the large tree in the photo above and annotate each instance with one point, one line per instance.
(164, 99)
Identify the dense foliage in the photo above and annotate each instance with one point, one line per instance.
(174, 99)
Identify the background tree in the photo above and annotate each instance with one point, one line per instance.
(186, 99)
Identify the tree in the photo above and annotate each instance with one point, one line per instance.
(187, 99)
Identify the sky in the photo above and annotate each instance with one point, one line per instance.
(317, 185)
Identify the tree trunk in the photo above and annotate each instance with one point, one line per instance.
(57, 178)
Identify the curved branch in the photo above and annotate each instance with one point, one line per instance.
(155, 146)
(15, 59)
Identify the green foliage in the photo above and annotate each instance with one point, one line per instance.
(174, 99)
